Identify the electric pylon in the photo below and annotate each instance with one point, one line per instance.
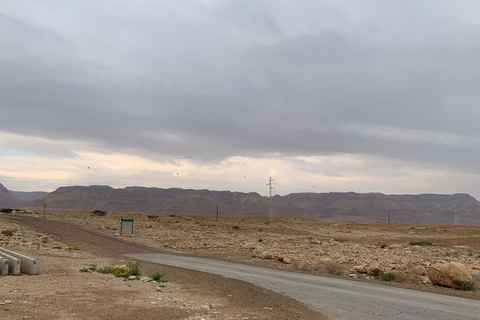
(270, 199)
(456, 222)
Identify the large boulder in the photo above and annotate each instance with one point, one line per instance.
(451, 274)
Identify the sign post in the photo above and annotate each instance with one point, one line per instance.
(44, 209)
(126, 224)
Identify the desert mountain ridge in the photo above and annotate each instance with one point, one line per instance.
(7, 199)
(335, 206)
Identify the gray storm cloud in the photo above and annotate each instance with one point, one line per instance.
(208, 80)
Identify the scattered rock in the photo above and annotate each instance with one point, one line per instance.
(382, 244)
(419, 271)
(395, 246)
(325, 260)
(287, 260)
(374, 271)
(266, 255)
(451, 274)
(250, 246)
(359, 269)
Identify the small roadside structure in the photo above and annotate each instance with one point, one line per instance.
(126, 224)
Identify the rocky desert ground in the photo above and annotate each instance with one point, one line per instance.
(353, 251)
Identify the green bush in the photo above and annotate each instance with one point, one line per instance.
(57, 247)
(391, 276)
(158, 277)
(469, 286)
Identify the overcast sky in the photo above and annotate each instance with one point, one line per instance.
(364, 96)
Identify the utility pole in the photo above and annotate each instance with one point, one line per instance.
(270, 200)
(456, 222)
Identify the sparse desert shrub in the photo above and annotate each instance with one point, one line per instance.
(99, 212)
(334, 267)
(57, 247)
(391, 276)
(421, 243)
(152, 217)
(91, 268)
(120, 272)
(74, 248)
(158, 277)
(469, 286)
(301, 267)
(133, 267)
(8, 233)
(236, 227)
(319, 268)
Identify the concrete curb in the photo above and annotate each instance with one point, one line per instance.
(3, 267)
(13, 263)
(28, 265)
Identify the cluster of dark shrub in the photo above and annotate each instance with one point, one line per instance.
(99, 212)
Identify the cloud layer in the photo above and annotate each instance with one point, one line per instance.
(390, 84)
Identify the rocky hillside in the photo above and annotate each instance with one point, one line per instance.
(154, 200)
(366, 207)
(378, 207)
(29, 195)
(8, 200)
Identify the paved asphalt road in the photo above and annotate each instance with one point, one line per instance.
(337, 298)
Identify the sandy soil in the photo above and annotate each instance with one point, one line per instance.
(62, 292)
